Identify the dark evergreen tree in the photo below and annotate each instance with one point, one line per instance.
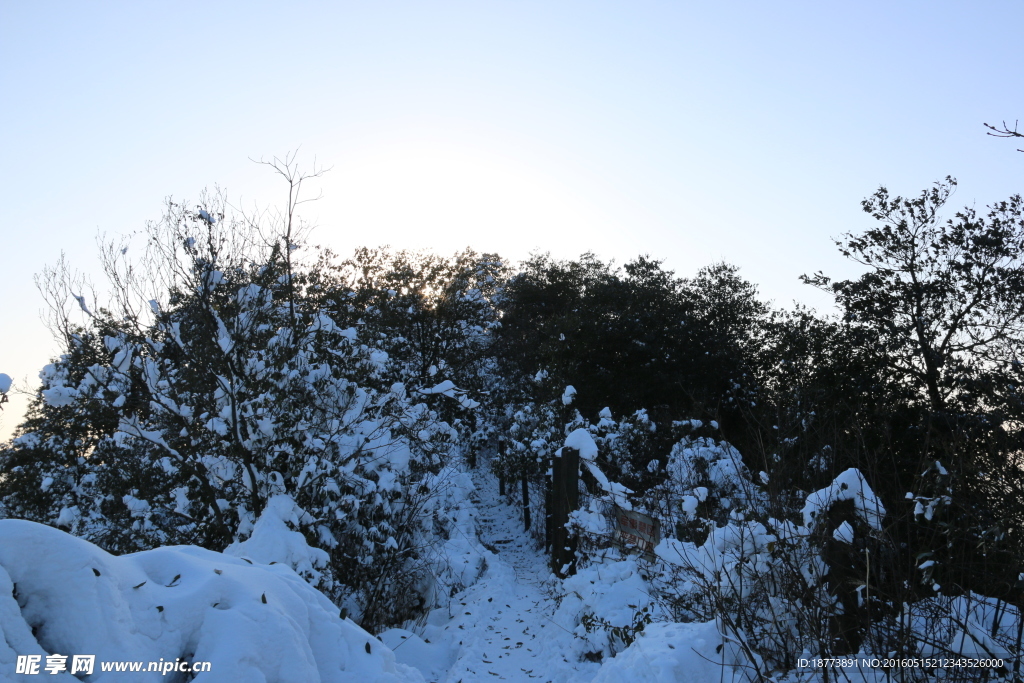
(939, 319)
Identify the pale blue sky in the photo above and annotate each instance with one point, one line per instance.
(738, 131)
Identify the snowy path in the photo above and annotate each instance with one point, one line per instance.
(504, 621)
(500, 628)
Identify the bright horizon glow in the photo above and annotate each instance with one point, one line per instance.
(441, 191)
(742, 132)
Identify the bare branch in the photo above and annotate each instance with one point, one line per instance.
(1005, 132)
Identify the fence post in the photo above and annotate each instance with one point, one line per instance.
(565, 496)
(547, 503)
(526, 501)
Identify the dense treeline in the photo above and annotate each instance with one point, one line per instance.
(915, 385)
(229, 369)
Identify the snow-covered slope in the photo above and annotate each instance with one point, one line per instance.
(254, 619)
(254, 623)
(671, 652)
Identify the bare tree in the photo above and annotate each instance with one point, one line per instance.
(64, 290)
(1005, 131)
(288, 229)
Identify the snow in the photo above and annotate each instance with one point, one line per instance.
(273, 541)
(673, 652)
(81, 303)
(447, 388)
(460, 560)
(517, 622)
(431, 659)
(568, 395)
(612, 591)
(582, 441)
(252, 622)
(5, 383)
(690, 505)
(849, 485)
(502, 627)
(60, 396)
(737, 553)
(494, 610)
(844, 533)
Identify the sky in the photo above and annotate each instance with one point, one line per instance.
(693, 132)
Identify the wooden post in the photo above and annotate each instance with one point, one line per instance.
(547, 504)
(565, 498)
(526, 501)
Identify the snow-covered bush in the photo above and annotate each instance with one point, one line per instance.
(606, 605)
(246, 378)
(812, 582)
(671, 652)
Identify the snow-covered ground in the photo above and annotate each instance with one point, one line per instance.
(62, 597)
(259, 621)
(512, 624)
(501, 627)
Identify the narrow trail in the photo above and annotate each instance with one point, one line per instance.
(507, 625)
(501, 627)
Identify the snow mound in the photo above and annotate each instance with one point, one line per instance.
(673, 652)
(613, 595)
(273, 540)
(252, 622)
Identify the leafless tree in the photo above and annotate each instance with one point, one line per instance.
(286, 229)
(1005, 131)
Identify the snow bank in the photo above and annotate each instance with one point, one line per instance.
(460, 560)
(432, 659)
(254, 623)
(673, 652)
(273, 540)
(600, 599)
